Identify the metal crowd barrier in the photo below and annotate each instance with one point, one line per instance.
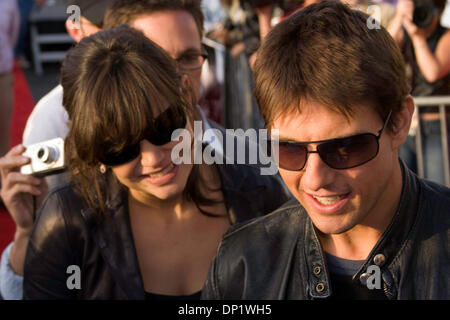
(218, 61)
(236, 79)
(443, 103)
(241, 107)
(52, 11)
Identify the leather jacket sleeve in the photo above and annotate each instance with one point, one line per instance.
(49, 253)
(209, 291)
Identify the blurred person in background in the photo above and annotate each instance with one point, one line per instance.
(211, 90)
(240, 30)
(9, 29)
(385, 10)
(22, 49)
(265, 9)
(214, 14)
(425, 44)
(266, 12)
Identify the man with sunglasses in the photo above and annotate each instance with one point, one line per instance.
(362, 225)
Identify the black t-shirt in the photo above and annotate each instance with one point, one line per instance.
(343, 288)
(154, 296)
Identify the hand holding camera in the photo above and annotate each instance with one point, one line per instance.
(22, 171)
(417, 16)
(22, 194)
(47, 158)
(18, 189)
(405, 9)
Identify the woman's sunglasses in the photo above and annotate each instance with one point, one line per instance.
(341, 153)
(158, 134)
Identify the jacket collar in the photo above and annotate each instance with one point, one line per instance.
(237, 177)
(394, 237)
(115, 241)
(240, 188)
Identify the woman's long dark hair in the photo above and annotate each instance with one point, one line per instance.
(114, 82)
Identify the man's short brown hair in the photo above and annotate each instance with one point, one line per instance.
(326, 53)
(125, 11)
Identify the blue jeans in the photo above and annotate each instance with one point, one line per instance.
(23, 40)
(433, 161)
(432, 151)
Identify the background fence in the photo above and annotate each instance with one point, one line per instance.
(443, 104)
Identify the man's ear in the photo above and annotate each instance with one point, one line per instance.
(402, 122)
(74, 30)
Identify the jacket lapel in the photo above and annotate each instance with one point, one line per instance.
(115, 242)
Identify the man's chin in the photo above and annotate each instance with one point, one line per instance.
(332, 225)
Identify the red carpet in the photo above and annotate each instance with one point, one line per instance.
(23, 105)
(6, 229)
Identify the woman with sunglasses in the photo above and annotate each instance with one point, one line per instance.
(131, 224)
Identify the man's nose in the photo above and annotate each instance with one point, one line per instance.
(317, 174)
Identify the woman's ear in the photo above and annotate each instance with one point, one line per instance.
(402, 122)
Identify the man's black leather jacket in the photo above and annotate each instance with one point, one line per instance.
(68, 233)
(279, 256)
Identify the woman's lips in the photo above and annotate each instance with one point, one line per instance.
(328, 204)
(164, 177)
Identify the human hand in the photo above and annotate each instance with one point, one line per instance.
(405, 9)
(415, 33)
(18, 190)
(237, 49)
(219, 34)
(264, 11)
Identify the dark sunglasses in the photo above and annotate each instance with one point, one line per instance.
(158, 134)
(341, 153)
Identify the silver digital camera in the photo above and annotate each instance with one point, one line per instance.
(47, 157)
